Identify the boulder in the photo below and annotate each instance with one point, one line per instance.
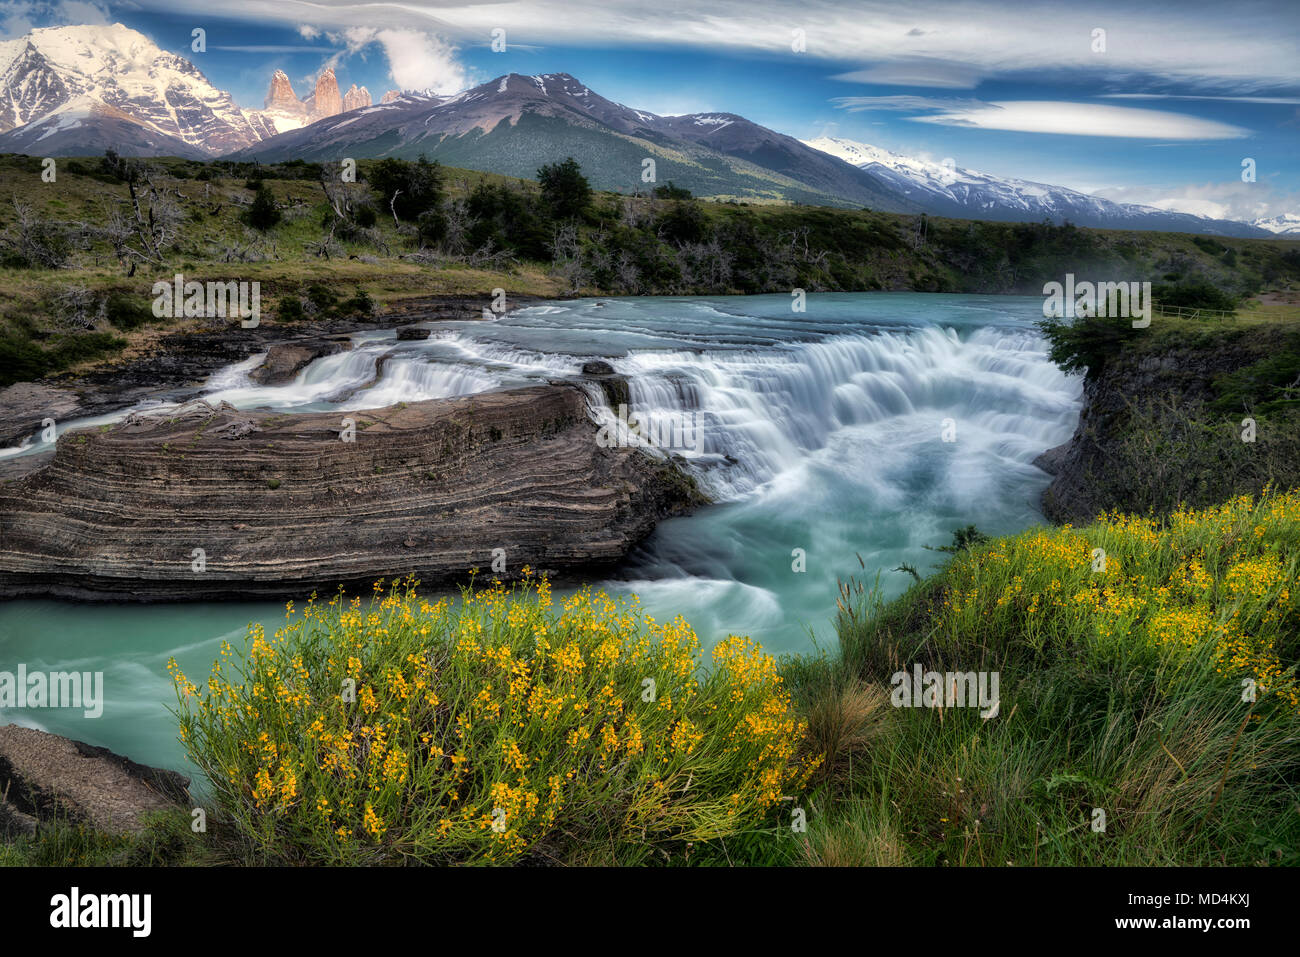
(286, 359)
(14, 823)
(413, 333)
(615, 386)
(45, 776)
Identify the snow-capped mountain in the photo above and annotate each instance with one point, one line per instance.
(83, 125)
(1288, 224)
(80, 89)
(72, 68)
(945, 189)
(513, 124)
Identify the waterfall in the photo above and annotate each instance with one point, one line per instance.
(760, 392)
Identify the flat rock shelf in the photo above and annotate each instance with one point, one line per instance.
(207, 503)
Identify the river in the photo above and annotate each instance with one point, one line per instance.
(871, 424)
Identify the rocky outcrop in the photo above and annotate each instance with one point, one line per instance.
(413, 333)
(1089, 475)
(24, 406)
(281, 96)
(45, 776)
(217, 503)
(177, 367)
(390, 96)
(285, 360)
(355, 99)
(616, 388)
(326, 101)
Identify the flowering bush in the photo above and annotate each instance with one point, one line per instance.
(1216, 582)
(488, 728)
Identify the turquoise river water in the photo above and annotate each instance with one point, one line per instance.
(822, 431)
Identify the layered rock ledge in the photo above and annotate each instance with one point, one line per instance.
(219, 503)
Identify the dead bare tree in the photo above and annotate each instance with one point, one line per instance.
(38, 241)
(459, 222)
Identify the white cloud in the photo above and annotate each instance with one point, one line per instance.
(418, 60)
(1084, 119)
(307, 31)
(84, 11)
(18, 17)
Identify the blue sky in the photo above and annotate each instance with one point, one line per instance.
(1162, 107)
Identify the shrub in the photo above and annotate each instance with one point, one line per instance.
(564, 189)
(126, 311)
(366, 216)
(1086, 343)
(322, 296)
(488, 729)
(22, 360)
(1195, 294)
(407, 188)
(360, 304)
(263, 214)
(289, 309)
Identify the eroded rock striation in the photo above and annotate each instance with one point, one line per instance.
(221, 503)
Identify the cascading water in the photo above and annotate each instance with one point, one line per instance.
(821, 435)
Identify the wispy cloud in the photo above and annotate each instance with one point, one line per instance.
(904, 103)
(1238, 48)
(1049, 116)
(1280, 100)
(18, 17)
(917, 71)
(272, 48)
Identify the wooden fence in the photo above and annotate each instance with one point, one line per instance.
(1190, 312)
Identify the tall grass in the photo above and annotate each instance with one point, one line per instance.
(1126, 683)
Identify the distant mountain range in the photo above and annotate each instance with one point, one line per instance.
(1288, 224)
(83, 89)
(949, 190)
